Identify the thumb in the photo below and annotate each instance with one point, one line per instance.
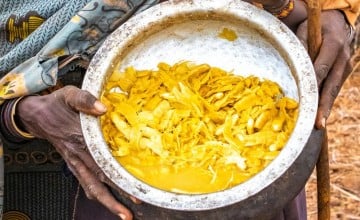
(83, 101)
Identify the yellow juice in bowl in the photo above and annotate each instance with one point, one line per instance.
(193, 128)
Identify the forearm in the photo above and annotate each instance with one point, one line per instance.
(297, 16)
(351, 9)
(291, 12)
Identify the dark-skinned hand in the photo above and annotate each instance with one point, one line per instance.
(332, 65)
(55, 117)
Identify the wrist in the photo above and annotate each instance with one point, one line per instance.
(276, 7)
(9, 125)
(297, 15)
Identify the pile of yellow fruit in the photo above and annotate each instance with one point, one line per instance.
(191, 128)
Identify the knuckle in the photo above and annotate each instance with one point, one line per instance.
(89, 195)
(101, 175)
(71, 94)
(78, 146)
(80, 167)
(74, 162)
(68, 89)
(74, 148)
(322, 69)
(321, 72)
(86, 99)
(92, 191)
(338, 41)
(335, 91)
(69, 155)
(347, 56)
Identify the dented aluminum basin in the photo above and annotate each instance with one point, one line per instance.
(187, 30)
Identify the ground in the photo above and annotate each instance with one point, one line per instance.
(344, 154)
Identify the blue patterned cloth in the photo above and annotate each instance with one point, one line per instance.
(35, 34)
(34, 50)
(45, 19)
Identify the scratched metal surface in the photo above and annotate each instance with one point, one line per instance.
(187, 30)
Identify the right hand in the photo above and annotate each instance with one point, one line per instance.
(332, 64)
(55, 117)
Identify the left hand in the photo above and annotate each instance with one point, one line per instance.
(332, 65)
(55, 117)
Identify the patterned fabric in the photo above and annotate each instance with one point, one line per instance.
(81, 36)
(26, 26)
(35, 33)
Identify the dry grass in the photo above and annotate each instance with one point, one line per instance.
(344, 155)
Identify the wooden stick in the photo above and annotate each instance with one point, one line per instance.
(323, 181)
(322, 165)
(314, 28)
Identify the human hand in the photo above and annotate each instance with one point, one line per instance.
(332, 64)
(55, 117)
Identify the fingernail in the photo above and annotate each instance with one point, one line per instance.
(135, 200)
(122, 216)
(101, 108)
(323, 122)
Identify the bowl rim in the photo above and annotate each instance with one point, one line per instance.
(307, 88)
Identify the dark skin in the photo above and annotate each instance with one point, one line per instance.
(297, 16)
(55, 117)
(58, 121)
(332, 64)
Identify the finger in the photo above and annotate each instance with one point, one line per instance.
(122, 193)
(103, 178)
(83, 101)
(331, 88)
(96, 190)
(80, 151)
(88, 160)
(135, 200)
(87, 178)
(329, 51)
(301, 33)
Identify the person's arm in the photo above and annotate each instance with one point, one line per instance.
(291, 12)
(55, 118)
(351, 9)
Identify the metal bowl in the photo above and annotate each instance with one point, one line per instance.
(188, 30)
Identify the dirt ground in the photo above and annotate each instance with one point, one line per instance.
(344, 153)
